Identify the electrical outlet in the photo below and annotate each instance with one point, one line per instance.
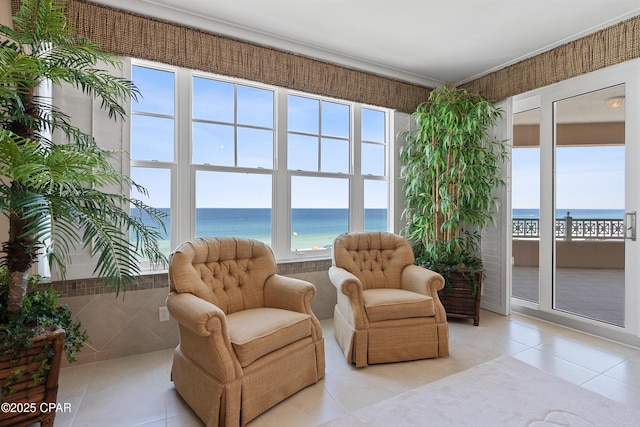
(163, 314)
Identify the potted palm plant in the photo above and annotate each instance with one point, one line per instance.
(53, 191)
(451, 167)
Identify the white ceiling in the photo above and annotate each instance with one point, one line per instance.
(424, 41)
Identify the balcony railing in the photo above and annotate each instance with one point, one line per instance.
(568, 228)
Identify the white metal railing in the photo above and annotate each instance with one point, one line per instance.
(568, 228)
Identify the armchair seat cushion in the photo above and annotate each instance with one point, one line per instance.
(391, 304)
(260, 331)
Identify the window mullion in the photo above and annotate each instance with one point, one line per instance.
(319, 136)
(356, 198)
(183, 195)
(281, 207)
(235, 125)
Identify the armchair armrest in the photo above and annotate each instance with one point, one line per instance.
(346, 282)
(350, 297)
(203, 335)
(424, 281)
(289, 293)
(199, 315)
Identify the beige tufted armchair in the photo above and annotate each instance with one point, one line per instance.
(248, 338)
(388, 309)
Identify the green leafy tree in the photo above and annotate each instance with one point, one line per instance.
(54, 193)
(451, 167)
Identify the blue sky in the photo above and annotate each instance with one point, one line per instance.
(586, 177)
(212, 107)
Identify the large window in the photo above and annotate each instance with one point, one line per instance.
(153, 141)
(374, 167)
(232, 124)
(233, 204)
(318, 153)
(236, 158)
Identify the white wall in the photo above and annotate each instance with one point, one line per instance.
(401, 122)
(90, 118)
(496, 250)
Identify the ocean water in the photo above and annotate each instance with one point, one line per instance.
(317, 228)
(311, 228)
(575, 213)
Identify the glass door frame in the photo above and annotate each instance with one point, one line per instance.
(628, 74)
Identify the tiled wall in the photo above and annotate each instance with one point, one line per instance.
(129, 324)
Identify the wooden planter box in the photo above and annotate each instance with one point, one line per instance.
(32, 400)
(458, 297)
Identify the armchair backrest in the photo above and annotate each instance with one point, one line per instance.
(375, 258)
(229, 272)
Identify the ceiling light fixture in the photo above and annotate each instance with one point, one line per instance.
(614, 102)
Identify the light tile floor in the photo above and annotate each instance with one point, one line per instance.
(136, 390)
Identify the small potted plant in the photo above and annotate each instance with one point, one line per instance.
(451, 167)
(53, 181)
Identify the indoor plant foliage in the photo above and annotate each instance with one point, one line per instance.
(451, 166)
(40, 313)
(53, 193)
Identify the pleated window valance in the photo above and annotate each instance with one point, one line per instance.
(604, 48)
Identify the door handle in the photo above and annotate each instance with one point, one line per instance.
(630, 225)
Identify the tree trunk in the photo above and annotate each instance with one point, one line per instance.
(20, 255)
(17, 290)
(19, 250)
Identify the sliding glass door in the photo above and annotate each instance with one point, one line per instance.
(525, 160)
(574, 193)
(589, 153)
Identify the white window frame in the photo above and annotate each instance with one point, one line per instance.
(183, 171)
